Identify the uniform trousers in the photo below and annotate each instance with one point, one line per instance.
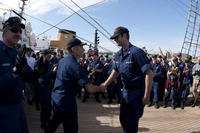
(131, 111)
(70, 122)
(13, 118)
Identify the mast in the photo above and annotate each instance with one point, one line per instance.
(22, 8)
(191, 43)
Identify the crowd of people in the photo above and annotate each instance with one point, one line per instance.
(52, 81)
(174, 80)
(63, 77)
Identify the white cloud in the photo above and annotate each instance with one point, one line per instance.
(40, 7)
(8, 4)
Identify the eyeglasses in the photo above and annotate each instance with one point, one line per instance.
(16, 30)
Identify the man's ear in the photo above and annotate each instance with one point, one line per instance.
(73, 49)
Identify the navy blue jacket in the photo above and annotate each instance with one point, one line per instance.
(157, 71)
(132, 65)
(98, 76)
(10, 88)
(70, 76)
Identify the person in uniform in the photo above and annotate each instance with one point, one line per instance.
(70, 77)
(196, 83)
(97, 73)
(134, 67)
(172, 86)
(46, 71)
(12, 114)
(154, 96)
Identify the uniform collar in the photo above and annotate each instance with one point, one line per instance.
(3, 45)
(5, 48)
(125, 53)
(73, 57)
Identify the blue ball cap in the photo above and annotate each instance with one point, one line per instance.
(13, 22)
(119, 30)
(74, 42)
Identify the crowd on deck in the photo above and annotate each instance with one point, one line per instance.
(52, 79)
(173, 81)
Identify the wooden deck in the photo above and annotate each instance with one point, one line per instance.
(103, 118)
(93, 118)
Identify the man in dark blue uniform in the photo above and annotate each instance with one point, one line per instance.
(134, 67)
(97, 73)
(12, 114)
(154, 96)
(70, 77)
(46, 72)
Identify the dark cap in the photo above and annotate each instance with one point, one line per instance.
(154, 56)
(189, 57)
(46, 51)
(74, 42)
(29, 49)
(164, 57)
(179, 55)
(187, 60)
(174, 59)
(13, 22)
(118, 31)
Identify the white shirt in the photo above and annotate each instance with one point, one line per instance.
(31, 62)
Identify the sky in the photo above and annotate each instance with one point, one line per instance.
(151, 23)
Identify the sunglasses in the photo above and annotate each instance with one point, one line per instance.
(16, 30)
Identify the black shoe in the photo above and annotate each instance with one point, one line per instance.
(109, 102)
(156, 105)
(173, 107)
(194, 104)
(84, 100)
(165, 106)
(182, 105)
(150, 104)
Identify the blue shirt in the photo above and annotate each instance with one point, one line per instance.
(157, 71)
(70, 77)
(98, 76)
(10, 88)
(132, 65)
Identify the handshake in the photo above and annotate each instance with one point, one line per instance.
(94, 88)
